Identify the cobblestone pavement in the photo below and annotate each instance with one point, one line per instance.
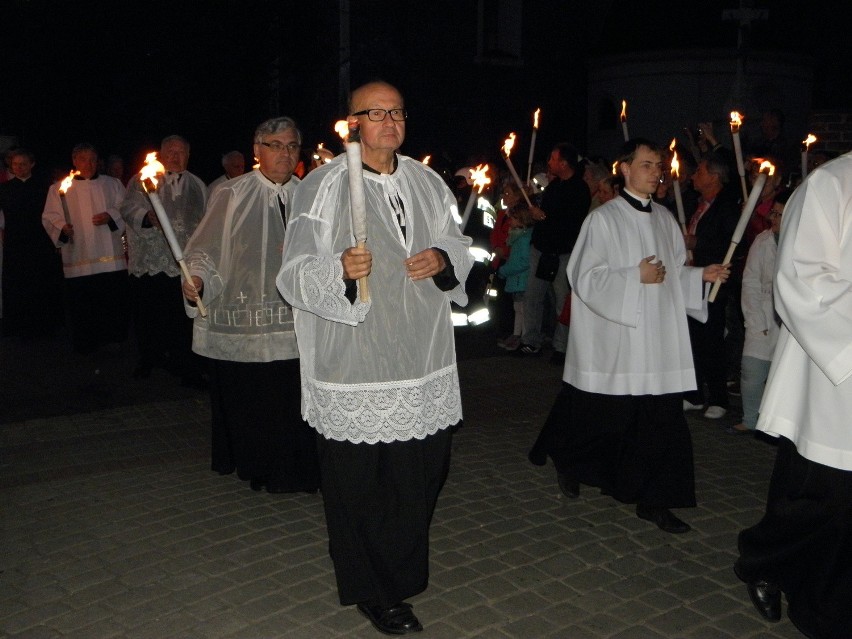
(113, 525)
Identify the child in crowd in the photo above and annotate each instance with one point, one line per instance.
(516, 268)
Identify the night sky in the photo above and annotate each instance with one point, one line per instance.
(123, 74)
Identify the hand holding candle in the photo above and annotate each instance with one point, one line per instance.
(507, 151)
(148, 180)
(348, 130)
(745, 216)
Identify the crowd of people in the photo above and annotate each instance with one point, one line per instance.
(319, 382)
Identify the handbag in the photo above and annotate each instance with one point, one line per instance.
(548, 265)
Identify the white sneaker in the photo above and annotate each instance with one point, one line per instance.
(715, 412)
(690, 406)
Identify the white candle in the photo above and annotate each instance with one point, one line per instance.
(357, 204)
(679, 203)
(805, 163)
(171, 239)
(65, 208)
(468, 208)
(532, 145)
(517, 180)
(736, 121)
(745, 216)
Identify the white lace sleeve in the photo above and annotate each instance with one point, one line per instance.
(323, 292)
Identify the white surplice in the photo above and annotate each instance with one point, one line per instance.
(625, 337)
(808, 397)
(381, 371)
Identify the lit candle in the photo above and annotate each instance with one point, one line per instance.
(676, 186)
(532, 145)
(63, 189)
(426, 160)
(480, 179)
(745, 216)
(624, 120)
(507, 151)
(148, 179)
(805, 144)
(348, 130)
(736, 123)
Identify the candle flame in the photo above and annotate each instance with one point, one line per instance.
(256, 164)
(508, 144)
(479, 177)
(736, 121)
(426, 159)
(675, 162)
(623, 110)
(535, 118)
(809, 140)
(152, 168)
(67, 182)
(615, 168)
(766, 164)
(341, 127)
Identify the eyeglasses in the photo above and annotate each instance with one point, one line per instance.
(290, 147)
(379, 115)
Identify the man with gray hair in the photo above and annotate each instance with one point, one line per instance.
(163, 332)
(248, 336)
(234, 164)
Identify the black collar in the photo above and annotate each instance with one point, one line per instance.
(636, 204)
(372, 170)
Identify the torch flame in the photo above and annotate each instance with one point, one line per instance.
(623, 110)
(766, 164)
(736, 121)
(67, 182)
(809, 140)
(508, 144)
(426, 159)
(341, 127)
(152, 168)
(479, 177)
(535, 118)
(675, 162)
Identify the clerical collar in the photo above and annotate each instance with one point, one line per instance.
(372, 170)
(640, 204)
(80, 177)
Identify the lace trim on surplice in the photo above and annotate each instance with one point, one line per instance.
(324, 292)
(384, 412)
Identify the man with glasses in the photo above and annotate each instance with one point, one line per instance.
(379, 378)
(248, 336)
(163, 333)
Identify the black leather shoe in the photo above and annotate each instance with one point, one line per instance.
(663, 518)
(399, 619)
(766, 597)
(569, 486)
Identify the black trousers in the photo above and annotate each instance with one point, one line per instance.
(709, 354)
(636, 448)
(97, 310)
(804, 543)
(163, 331)
(257, 427)
(379, 500)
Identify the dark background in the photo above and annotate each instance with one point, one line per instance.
(122, 75)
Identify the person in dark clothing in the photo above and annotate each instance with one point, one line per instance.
(28, 255)
(563, 208)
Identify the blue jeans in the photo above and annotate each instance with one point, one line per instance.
(753, 375)
(535, 295)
